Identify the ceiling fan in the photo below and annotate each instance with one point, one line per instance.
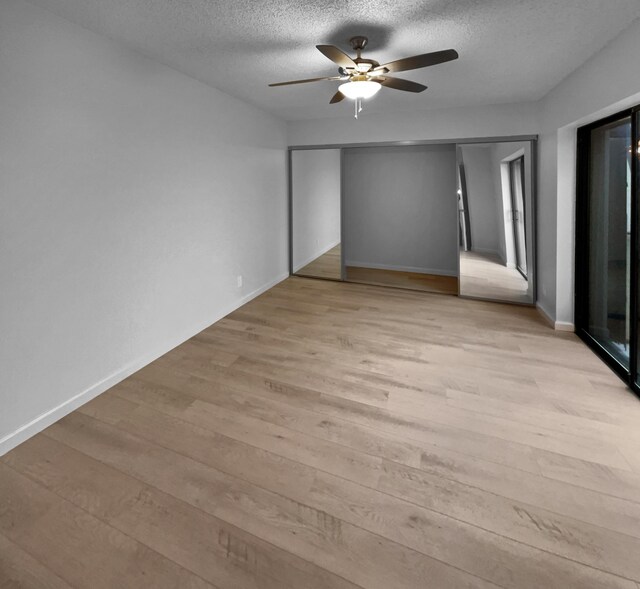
(364, 77)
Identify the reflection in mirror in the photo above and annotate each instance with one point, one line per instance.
(400, 218)
(495, 216)
(315, 213)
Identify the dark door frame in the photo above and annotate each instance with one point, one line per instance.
(516, 211)
(581, 294)
(465, 206)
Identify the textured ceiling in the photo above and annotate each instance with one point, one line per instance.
(510, 50)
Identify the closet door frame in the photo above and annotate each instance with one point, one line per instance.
(533, 139)
(629, 376)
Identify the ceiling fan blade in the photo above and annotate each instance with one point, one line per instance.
(337, 97)
(418, 61)
(399, 84)
(304, 81)
(336, 55)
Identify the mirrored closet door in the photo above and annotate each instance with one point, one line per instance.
(400, 217)
(315, 213)
(496, 221)
(450, 218)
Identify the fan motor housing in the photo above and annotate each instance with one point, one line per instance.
(372, 62)
(358, 43)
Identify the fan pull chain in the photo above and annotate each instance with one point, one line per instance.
(357, 103)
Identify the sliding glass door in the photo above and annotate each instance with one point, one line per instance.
(606, 252)
(634, 156)
(609, 237)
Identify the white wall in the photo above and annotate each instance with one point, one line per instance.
(401, 208)
(605, 84)
(315, 186)
(484, 199)
(505, 152)
(131, 197)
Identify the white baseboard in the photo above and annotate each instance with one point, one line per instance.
(557, 325)
(484, 250)
(435, 271)
(546, 316)
(321, 252)
(49, 417)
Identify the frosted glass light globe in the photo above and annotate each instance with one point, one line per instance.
(361, 89)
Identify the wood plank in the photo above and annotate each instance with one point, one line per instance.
(333, 408)
(403, 279)
(327, 266)
(78, 547)
(599, 547)
(217, 551)
(484, 275)
(350, 456)
(340, 435)
(316, 391)
(200, 402)
(479, 507)
(346, 550)
(19, 569)
(495, 557)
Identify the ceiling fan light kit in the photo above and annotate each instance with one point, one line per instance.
(359, 89)
(364, 77)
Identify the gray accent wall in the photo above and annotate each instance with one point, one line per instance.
(401, 208)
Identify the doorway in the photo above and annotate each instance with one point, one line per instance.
(495, 188)
(516, 176)
(463, 210)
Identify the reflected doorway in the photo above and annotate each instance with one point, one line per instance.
(495, 221)
(516, 176)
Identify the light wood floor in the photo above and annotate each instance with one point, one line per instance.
(484, 276)
(330, 435)
(401, 279)
(328, 265)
